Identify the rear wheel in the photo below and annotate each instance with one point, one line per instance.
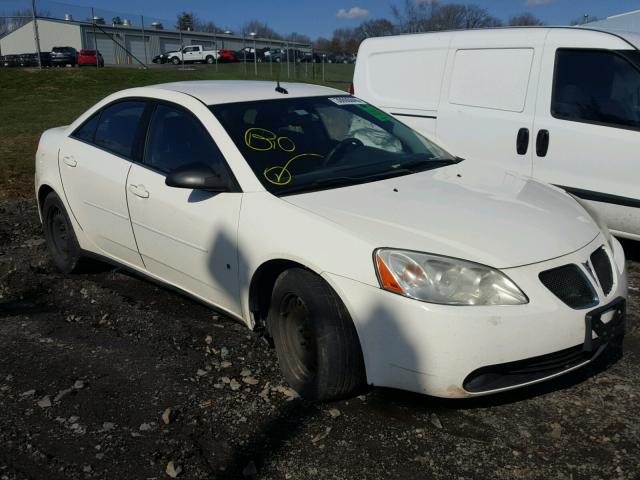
(210, 59)
(315, 339)
(58, 231)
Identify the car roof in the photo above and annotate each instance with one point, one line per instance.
(212, 92)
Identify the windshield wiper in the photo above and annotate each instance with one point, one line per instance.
(343, 181)
(429, 164)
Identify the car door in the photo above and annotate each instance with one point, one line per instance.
(588, 128)
(94, 162)
(189, 54)
(487, 105)
(186, 237)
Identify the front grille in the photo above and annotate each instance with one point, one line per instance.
(523, 371)
(602, 266)
(570, 285)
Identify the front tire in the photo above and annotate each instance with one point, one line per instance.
(316, 342)
(175, 61)
(59, 235)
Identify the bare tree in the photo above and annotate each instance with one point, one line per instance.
(428, 16)
(298, 37)
(261, 29)
(186, 21)
(375, 28)
(525, 20)
(322, 44)
(18, 18)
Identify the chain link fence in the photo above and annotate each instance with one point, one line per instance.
(30, 31)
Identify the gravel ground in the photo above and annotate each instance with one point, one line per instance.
(104, 375)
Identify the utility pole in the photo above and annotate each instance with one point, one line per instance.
(95, 41)
(144, 40)
(35, 32)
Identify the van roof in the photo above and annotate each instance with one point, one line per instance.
(633, 39)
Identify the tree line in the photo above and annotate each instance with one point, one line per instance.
(410, 17)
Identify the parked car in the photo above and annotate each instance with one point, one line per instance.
(370, 253)
(64, 56)
(90, 58)
(273, 55)
(247, 54)
(11, 61)
(189, 54)
(27, 60)
(227, 56)
(560, 104)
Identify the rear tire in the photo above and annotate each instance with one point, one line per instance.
(210, 60)
(315, 339)
(59, 235)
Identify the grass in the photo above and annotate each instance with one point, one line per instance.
(32, 101)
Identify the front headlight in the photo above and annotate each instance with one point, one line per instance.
(444, 280)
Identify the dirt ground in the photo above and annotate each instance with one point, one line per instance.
(90, 363)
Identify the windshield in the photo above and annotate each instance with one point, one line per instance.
(313, 143)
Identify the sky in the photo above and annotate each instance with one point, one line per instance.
(320, 18)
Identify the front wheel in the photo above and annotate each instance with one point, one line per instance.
(59, 235)
(175, 61)
(316, 342)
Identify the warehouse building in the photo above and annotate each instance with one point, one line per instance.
(627, 22)
(122, 42)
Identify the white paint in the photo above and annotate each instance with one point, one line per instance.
(494, 83)
(211, 245)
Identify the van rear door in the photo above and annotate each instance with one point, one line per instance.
(588, 123)
(488, 102)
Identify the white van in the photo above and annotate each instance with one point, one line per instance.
(559, 104)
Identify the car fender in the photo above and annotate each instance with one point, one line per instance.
(272, 229)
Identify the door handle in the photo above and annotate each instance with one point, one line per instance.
(522, 141)
(542, 143)
(69, 160)
(139, 191)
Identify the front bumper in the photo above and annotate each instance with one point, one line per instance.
(433, 349)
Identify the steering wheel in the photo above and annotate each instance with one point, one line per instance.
(334, 156)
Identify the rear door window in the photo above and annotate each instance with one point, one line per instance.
(118, 126)
(596, 86)
(88, 129)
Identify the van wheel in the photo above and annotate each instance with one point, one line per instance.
(59, 235)
(316, 342)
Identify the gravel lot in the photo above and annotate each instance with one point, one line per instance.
(89, 365)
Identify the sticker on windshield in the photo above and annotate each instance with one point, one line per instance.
(374, 112)
(347, 101)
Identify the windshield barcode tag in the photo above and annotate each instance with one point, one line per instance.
(347, 101)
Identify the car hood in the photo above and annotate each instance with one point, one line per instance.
(492, 217)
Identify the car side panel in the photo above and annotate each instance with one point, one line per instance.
(94, 185)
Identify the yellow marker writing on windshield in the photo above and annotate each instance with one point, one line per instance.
(263, 140)
(280, 175)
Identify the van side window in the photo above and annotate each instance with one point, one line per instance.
(596, 86)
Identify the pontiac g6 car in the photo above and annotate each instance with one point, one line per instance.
(370, 254)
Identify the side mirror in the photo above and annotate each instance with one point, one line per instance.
(199, 177)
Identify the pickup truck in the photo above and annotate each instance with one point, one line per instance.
(191, 54)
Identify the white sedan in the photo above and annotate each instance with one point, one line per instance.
(370, 254)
